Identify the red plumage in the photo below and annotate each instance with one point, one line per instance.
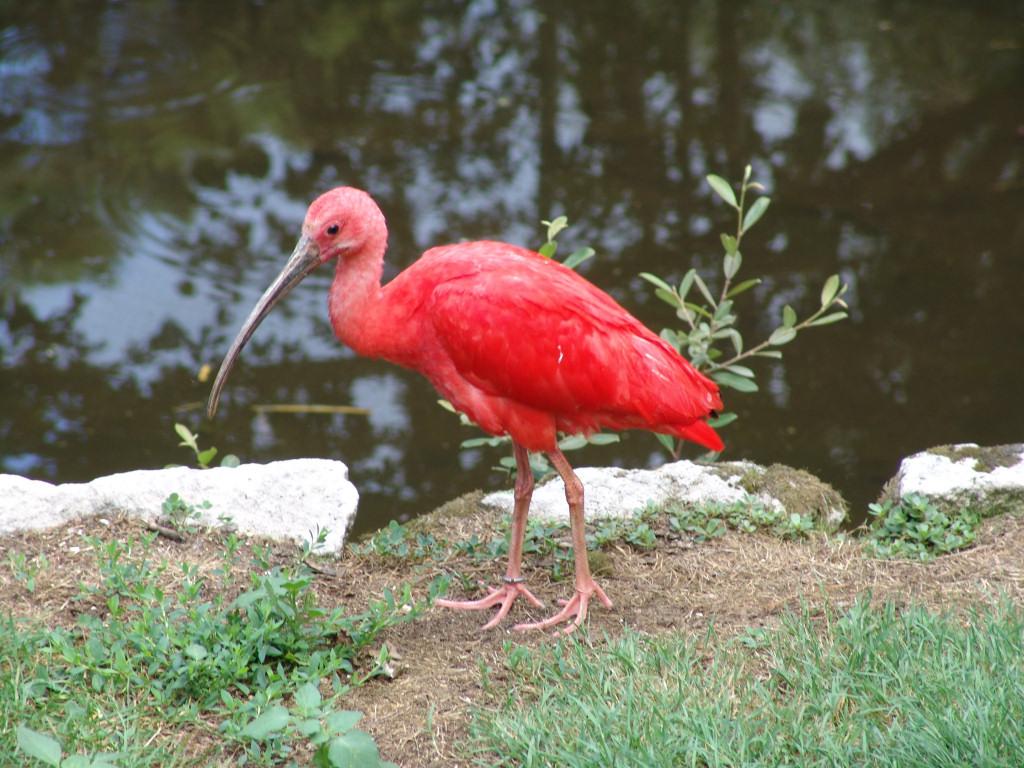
(525, 346)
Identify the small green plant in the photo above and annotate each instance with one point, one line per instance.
(395, 540)
(337, 742)
(711, 322)
(25, 570)
(915, 528)
(204, 456)
(710, 521)
(48, 751)
(550, 247)
(180, 515)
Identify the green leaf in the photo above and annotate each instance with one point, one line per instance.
(572, 442)
(38, 745)
(275, 718)
(723, 314)
(477, 442)
(668, 297)
(308, 727)
(355, 749)
(667, 442)
(755, 212)
(195, 651)
(774, 353)
(744, 286)
(781, 336)
(788, 317)
(737, 340)
(187, 438)
(603, 438)
(672, 337)
(205, 457)
(835, 317)
(703, 289)
(731, 380)
(717, 422)
(722, 188)
(576, 258)
(687, 282)
(698, 309)
(343, 721)
(555, 226)
(829, 290)
(656, 281)
(740, 370)
(548, 249)
(729, 243)
(731, 264)
(447, 406)
(307, 698)
(230, 460)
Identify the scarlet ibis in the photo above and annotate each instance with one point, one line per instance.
(521, 344)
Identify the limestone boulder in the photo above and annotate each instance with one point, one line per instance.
(288, 500)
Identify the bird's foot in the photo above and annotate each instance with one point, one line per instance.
(574, 610)
(502, 596)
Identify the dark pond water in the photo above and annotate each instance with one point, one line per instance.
(157, 159)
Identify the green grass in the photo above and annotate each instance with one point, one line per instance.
(874, 686)
(155, 664)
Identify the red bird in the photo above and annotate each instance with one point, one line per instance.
(522, 345)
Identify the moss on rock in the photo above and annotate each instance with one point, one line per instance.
(797, 490)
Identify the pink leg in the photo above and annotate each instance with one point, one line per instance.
(513, 586)
(575, 609)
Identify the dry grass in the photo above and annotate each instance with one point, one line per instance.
(421, 715)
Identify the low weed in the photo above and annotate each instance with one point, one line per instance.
(916, 529)
(204, 456)
(26, 571)
(710, 521)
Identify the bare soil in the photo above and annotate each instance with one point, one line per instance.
(420, 717)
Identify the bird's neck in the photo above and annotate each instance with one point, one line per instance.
(355, 301)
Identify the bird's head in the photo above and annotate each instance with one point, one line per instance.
(342, 223)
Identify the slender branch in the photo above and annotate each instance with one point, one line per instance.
(757, 348)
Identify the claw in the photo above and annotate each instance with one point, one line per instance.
(575, 609)
(503, 596)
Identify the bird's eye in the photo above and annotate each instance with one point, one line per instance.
(333, 229)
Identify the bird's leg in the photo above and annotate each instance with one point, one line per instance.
(575, 609)
(514, 586)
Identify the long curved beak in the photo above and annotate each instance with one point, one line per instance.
(304, 259)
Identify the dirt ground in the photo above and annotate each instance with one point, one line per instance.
(421, 715)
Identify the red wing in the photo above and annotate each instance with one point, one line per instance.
(539, 334)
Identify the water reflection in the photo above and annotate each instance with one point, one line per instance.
(158, 158)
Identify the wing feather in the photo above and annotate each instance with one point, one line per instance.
(532, 331)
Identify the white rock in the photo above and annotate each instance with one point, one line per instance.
(614, 492)
(284, 499)
(939, 475)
